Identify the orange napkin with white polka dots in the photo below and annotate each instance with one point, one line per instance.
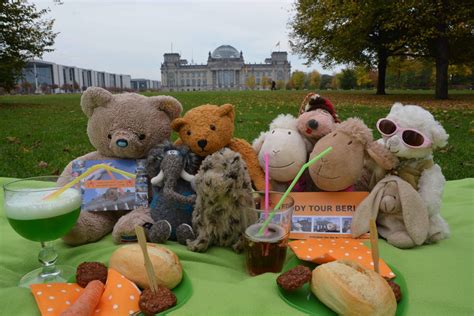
(323, 250)
(120, 296)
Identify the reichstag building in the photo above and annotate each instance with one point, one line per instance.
(225, 70)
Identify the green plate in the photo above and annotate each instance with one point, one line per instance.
(183, 292)
(304, 300)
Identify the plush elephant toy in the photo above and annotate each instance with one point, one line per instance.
(172, 169)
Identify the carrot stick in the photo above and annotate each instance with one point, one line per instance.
(86, 303)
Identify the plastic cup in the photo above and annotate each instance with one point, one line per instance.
(267, 252)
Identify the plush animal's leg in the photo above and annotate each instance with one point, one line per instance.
(124, 230)
(160, 232)
(238, 246)
(184, 232)
(401, 239)
(200, 244)
(91, 226)
(439, 229)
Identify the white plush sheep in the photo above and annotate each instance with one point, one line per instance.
(287, 149)
(412, 133)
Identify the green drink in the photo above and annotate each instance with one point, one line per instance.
(45, 229)
(39, 219)
(36, 217)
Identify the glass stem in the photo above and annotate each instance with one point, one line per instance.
(48, 257)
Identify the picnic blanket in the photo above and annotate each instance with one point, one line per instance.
(440, 277)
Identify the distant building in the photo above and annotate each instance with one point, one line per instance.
(43, 75)
(225, 70)
(145, 84)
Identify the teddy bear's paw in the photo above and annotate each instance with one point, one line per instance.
(198, 245)
(160, 232)
(184, 232)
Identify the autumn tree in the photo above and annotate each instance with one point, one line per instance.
(25, 33)
(364, 79)
(250, 82)
(314, 80)
(265, 82)
(350, 32)
(298, 79)
(280, 84)
(441, 30)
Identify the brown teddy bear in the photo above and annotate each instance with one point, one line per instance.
(208, 128)
(120, 126)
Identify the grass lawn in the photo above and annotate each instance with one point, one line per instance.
(39, 135)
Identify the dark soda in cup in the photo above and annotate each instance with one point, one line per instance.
(265, 253)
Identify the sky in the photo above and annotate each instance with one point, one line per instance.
(130, 37)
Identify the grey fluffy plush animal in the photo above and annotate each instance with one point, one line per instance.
(224, 197)
(171, 168)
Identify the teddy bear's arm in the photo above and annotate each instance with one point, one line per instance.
(250, 157)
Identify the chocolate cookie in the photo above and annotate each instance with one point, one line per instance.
(89, 271)
(151, 303)
(294, 278)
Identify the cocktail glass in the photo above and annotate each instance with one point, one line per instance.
(37, 218)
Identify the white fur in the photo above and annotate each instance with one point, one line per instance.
(431, 182)
(287, 149)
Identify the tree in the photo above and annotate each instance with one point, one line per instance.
(363, 76)
(25, 33)
(280, 84)
(325, 82)
(298, 79)
(314, 80)
(265, 82)
(250, 82)
(348, 79)
(351, 32)
(441, 30)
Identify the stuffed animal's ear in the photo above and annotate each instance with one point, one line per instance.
(227, 110)
(415, 214)
(94, 97)
(178, 123)
(439, 136)
(396, 107)
(381, 155)
(167, 104)
(258, 142)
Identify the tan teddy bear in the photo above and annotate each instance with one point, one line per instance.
(209, 128)
(120, 126)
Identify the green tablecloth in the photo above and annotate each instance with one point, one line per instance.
(440, 278)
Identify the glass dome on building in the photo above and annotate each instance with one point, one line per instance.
(225, 51)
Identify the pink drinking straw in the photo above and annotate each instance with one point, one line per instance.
(266, 158)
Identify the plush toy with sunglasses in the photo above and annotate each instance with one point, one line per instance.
(412, 134)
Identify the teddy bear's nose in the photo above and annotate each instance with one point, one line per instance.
(122, 143)
(313, 124)
(202, 143)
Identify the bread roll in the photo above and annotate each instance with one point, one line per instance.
(351, 289)
(129, 261)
